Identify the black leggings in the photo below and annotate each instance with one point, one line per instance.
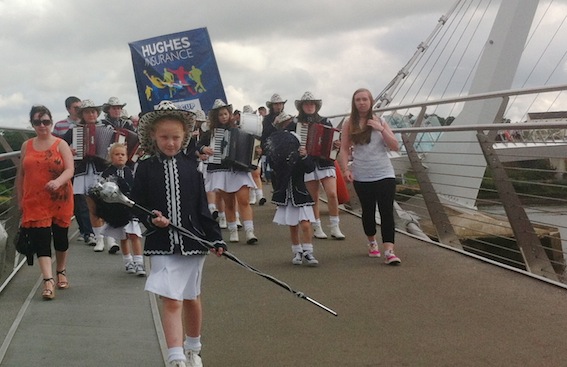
(41, 239)
(379, 193)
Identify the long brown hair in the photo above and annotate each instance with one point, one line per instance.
(214, 117)
(357, 135)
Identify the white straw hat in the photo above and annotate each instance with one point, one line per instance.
(164, 109)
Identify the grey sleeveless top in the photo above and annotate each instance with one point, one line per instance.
(371, 161)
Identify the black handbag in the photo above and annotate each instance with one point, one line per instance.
(23, 244)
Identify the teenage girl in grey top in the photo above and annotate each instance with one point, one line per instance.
(369, 138)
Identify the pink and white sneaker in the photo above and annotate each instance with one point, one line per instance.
(392, 259)
(373, 250)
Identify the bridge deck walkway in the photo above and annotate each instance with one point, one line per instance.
(439, 308)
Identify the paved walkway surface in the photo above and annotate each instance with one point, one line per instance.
(439, 308)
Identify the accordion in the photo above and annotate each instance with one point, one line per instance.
(92, 141)
(318, 140)
(129, 138)
(233, 146)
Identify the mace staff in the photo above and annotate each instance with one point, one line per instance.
(110, 193)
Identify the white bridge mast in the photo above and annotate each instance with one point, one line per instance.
(496, 70)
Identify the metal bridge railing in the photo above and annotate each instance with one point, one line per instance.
(10, 260)
(519, 216)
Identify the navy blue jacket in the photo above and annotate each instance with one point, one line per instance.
(290, 172)
(175, 188)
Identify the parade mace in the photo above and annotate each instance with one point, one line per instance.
(110, 193)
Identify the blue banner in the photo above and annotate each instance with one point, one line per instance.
(179, 67)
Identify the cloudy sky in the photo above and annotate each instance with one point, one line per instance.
(55, 48)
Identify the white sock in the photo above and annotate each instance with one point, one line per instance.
(193, 344)
(232, 226)
(259, 193)
(138, 259)
(127, 259)
(334, 220)
(98, 231)
(175, 354)
(248, 224)
(307, 247)
(296, 249)
(222, 215)
(212, 207)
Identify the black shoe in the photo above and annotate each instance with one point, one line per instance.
(262, 201)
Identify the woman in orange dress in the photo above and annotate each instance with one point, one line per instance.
(45, 197)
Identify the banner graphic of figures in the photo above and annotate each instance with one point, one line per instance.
(179, 67)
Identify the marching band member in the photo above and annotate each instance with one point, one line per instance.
(294, 204)
(257, 194)
(87, 171)
(275, 106)
(202, 128)
(231, 182)
(113, 110)
(308, 107)
(168, 182)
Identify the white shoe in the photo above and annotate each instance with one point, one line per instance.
(111, 245)
(250, 237)
(130, 268)
(297, 258)
(252, 200)
(177, 364)
(233, 235)
(193, 359)
(336, 232)
(311, 260)
(139, 270)
(90, 240)
(318, 231)
(222, 222)
(99, 247)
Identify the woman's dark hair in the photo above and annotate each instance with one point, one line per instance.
(214, 117)
(357, 135)
(42, 110)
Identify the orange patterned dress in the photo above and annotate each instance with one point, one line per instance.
(40, 207)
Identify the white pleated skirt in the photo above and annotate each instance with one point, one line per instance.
(82, 183)
(176, 276)
(228, 181)
(290, 215)
(320, 174)
(202, 167)
(121, 233)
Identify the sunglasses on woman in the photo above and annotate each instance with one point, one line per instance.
(41, 122)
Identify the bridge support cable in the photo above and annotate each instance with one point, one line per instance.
(384, 97)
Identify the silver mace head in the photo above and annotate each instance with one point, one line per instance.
(110, 193)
